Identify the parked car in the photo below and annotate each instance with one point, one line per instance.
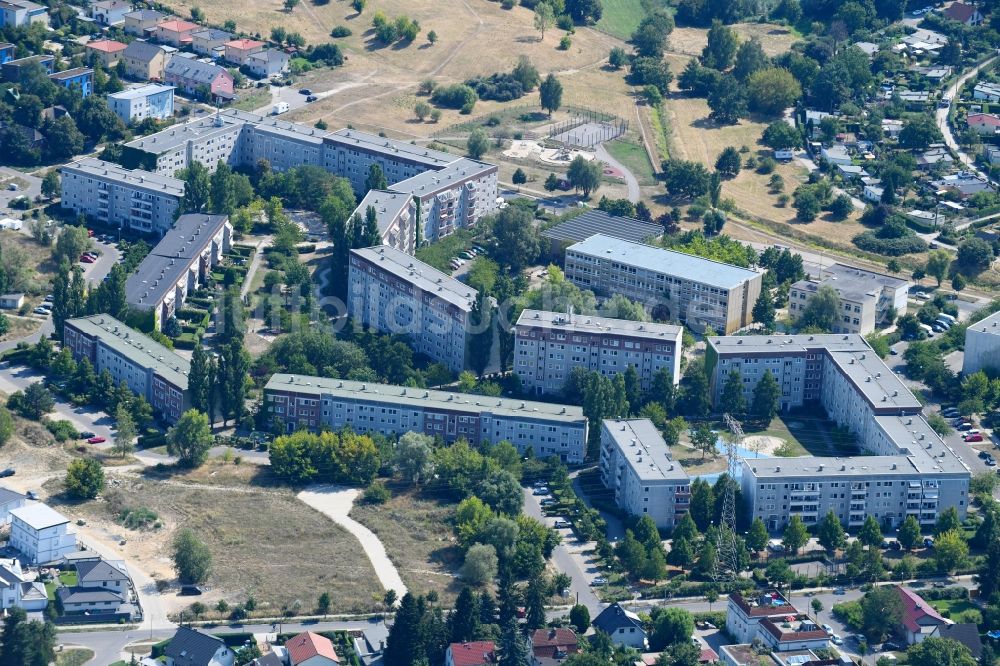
(96, 440)
(311, 98)
(889, 645)
(929, 543)
(549, 502)
(965, 426)
(7, 472)
(86, 434)
(40, 310)
(86, 259)
(31, 494)
(827, 628)
(600, 580)
(990, 462)
(190, 590)
(973, 438)
(305, 91)
(950, 413)
(836, 639)
(563, 524)
(984, 454)
(541, 490)
(840, 591)
(48, 298)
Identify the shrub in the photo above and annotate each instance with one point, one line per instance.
(565, 43)
(341, 31)
(61, 429)
(455, 96)
(139, 518)
(501, 87)
(377, 493)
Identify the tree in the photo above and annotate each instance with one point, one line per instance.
(584, 11)
(909, 533)
(519, 177)
(545, 18)
(579, 617)
(870, 534)
(550, 94)
(773, 90)
(432, 37)
(821, 310)
(63, 138)
(830, 533)
(197, 188)
(947, 521)
(51, 185)
(935, 651)
(728, 162)
(766, 398)
(125, 430)
(750, 58)
(780, 135)
(918, 132)
(478, 143)
(779, 572)
(481, 564)
(807, 205)
(198, 384)
(512, 647)
(950, 550)
(650, 37)
(584, 174)
(733, 401)
(958, 282)
(32, 403)
(974, 256)
(938, 263)
(27, 643)
(480, 336)
(841, 207)
(670, 627)
(516, 238)
(192, 558)
(464, 621)
(763, 310)
(290, 4)
(190, 438)
(757, 537)
(71, 243)
(720, 51)
(376, 177)
(795, 535)
(704, 439)
(727, 101)
(414, 456)
(617, 58)
(84, 478)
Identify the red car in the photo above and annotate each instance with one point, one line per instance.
(86, 259)
(973, 438)
(96, 440)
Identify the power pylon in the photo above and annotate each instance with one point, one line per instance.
(727, 564)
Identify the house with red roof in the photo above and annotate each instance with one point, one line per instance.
(108, 51)
(175, 32)
(919, 617)
(963, 13)
(984, 124)
(238, 51)
(471, 653)
(551, 646)
(310, 649)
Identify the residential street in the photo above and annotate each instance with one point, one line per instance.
(941, 115)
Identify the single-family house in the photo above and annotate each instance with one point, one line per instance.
(152, 100)
(77, 600)
(793, 633)
(984, 124)
(851, 171)
(868, 48)
(267, 63)
(913, 99)
(923, 218)
(238, 50)
(965, 633)
(17, 591)
(934, 72)
(210, 42)
(189, 75)
(20, 13)
(935, 153)
(550, 646)
(471, 653)
(192, 647)
(7, 52)
(919, 617)
(963, 183)
(142, 22)
(9, 302)
(836, 154)
(108, 51)
(922, 40)
(102, 574)
(311, 649)
(987, 91)
(891, 127)
(963, 13)
(79, 78)
(109, 12)
(269, 659)
(624, 626)
(41, 533)
(175, 32)
(31, 136)
(10, 499)
(145, 61)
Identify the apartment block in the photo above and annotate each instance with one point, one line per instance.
(905, 469)
(80, 79)
(138, 200)
(396, 216)
(41, 533)
(392, 292)
(982, 345)
(636, 467)
(867, 299)
(548, 345)
(297, 401)
(148, 368)
(698, 292)
(21, 13)
(448, 192)
(178, 265)
(148, 101)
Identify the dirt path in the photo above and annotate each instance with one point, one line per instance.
(336, 502)
(630, 180)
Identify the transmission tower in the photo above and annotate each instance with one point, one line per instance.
(727, 564)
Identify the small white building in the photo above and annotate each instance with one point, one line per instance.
(41, 533)
(17, 591)
(836, 154)
(9, 499)
(623, 626)
(149, 101)
(744, 615)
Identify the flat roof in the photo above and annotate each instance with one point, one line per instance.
(417, 397)
(154, 182)
(433, 180)
(39, 516)
(71, 73)
(642, 446)
(595, 221)
(387, 204)
(165, 263)
(420, 275)
(137, 347)
(351, 138)
(178, 135)
(989, 325)
(660, 260)
(141, 91)
(584, 323)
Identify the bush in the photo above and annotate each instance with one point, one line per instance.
(377, 493)
(455, 96)
(501, 87)
(870, 241)
(61, 429)
(341, 31)
(138, 518)
(565, 43)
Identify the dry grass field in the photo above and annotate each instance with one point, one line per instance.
(417, 536)
(775, 39)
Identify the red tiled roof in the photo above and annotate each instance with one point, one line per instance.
(561, 637)
(473, 653)
(915, 608)
(307, 645)
(708, 656)
(984, 119)
(178, 25)
(107, 46)
(244, 44)
(960, 11)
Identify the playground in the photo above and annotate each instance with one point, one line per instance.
(521, 149)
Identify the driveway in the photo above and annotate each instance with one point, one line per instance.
(336, 502)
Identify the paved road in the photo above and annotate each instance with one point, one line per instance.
(941, 115)
(33, 189)
(630, 180)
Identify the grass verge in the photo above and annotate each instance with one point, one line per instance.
(74, 657)
(661, 131)
(620, 18)
(635, 159)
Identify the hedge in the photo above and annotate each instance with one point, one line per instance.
(305, 249)
(185, 341)
(202, 303)
(242, 250)
(160, 649)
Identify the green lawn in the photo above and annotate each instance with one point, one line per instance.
(74, 657)
(67, 578)
(953, 609)
(635, 159)
(621, 17)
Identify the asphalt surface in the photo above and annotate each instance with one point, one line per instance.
(941, 115)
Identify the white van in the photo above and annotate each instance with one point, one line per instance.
(279, 108)
(948, 318)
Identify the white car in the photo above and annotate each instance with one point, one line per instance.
(827, 628)
(600, 580)
(836, 639)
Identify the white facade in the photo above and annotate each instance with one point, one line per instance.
(148, 101)
(41, 534)
(395, 293)
(548, 345)
(106, 192)
(744, 615)
(636, 467)
(9, 500)
(867, 299)
(982, 345)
